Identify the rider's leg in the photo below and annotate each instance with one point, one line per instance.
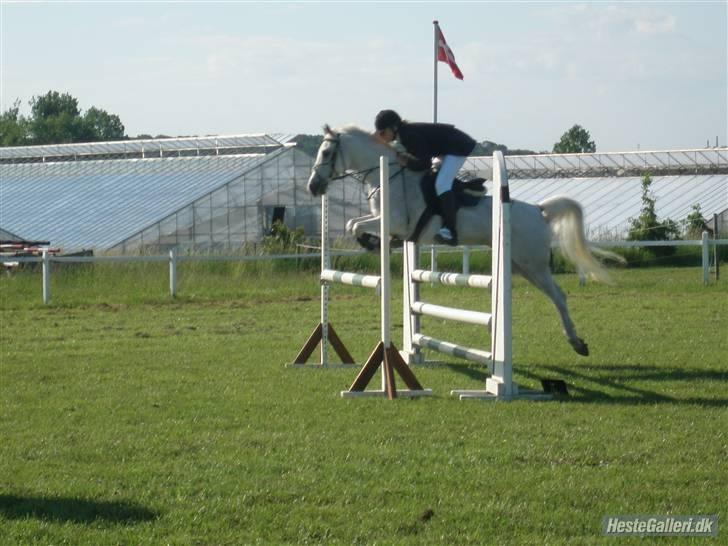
(451, 164)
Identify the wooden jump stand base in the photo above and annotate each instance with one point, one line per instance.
(390, 360)
(316, 337)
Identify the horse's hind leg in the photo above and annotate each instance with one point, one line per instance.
(543, 280)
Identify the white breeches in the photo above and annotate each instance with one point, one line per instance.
(451, 164)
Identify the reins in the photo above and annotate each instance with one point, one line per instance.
(391, 177)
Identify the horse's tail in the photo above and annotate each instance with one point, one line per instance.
(566, 219)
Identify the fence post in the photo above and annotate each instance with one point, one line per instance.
(706, 259)
(716, 236)
(46, 277)
(466, 260)
(173, 273)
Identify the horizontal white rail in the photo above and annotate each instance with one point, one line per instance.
(352, 279)
(631, 244)
(467, 353)
(451, 313)
(304, 256)
(452, 279)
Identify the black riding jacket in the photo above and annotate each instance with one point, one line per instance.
(427, 140)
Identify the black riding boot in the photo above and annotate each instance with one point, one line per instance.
(448, 234)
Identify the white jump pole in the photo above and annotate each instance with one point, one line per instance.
(500, 383)
(385, 355)
(384, 256)
(411, 322)
(325, 265)
(500, 386)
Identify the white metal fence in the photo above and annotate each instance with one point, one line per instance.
(173, 258)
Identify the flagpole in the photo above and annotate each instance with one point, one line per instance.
(434, 106)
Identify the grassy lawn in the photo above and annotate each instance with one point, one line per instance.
(129, 418)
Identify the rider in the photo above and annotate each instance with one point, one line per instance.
(424, 141)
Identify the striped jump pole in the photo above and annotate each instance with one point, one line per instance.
(324, 333)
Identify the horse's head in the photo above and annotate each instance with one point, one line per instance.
(328, 163)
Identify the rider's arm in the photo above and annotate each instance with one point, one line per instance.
(418, 156)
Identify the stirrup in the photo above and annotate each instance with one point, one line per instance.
(442, 237)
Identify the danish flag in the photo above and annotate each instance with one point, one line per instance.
(445, 54)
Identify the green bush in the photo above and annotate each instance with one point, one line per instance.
(647, 227)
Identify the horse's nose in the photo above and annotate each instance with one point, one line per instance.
(315, 185)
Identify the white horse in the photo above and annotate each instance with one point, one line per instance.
(353, 150)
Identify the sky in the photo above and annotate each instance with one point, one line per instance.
(636, 75)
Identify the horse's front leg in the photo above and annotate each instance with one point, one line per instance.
(366, 231)
(351, 224)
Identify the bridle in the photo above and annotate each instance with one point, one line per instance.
(361, 175)
(336, 151)
(336, 140)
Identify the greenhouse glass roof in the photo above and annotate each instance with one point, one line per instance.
(99, 203)
(608, 185)
(145, 149)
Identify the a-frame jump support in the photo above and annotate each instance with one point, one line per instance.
(324, 332)
(385, 354)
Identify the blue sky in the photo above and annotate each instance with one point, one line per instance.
(649, 74)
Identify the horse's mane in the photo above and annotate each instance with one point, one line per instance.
(367, 137)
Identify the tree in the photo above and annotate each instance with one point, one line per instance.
(309, 143)
(487, 148)
(575, 141)
(100, 125)
(13, 127)
(695, 224)
(55, 118)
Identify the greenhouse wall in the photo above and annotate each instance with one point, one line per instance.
(242, 211)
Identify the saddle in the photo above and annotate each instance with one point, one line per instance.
(467, 194)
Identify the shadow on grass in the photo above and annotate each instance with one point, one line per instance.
(74, 510)
(617, 383)
(626, 384)
(477, 373)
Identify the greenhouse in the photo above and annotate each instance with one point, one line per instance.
(219, 194)
(609, 185)
(201, 194)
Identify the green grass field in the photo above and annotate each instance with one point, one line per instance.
(129, 418)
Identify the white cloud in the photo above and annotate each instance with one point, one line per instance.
(656, 25)
(612, 21)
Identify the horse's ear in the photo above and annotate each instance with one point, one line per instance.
(327, 130)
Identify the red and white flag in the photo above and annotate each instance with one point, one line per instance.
(445, 54)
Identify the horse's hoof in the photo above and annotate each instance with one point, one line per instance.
(580, 347)
(368, 241)
(396, 242)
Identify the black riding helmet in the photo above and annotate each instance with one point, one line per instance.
(386, 119)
